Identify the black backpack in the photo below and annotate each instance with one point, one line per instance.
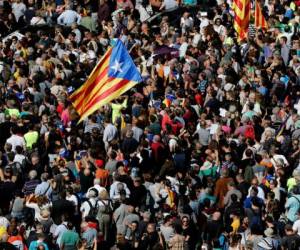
(93, 209)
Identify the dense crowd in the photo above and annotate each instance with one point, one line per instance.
(203, 154)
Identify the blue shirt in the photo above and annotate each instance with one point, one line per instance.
(289, 14)
(292, 205)
(248, 202)
(34, 245)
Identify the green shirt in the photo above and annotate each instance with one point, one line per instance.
(210, 172)
(69, 239)
(155, 128)
(116, 110)
(31, 138)
(12, 112)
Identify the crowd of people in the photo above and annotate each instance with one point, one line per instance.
(202, 154)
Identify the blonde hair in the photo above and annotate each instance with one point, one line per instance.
(103, 195)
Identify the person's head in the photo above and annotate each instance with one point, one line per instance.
(10, 156)
(84, 226)
(254, 182)
(39, 228)
(134, 225)
(103, 195)
(137, 181)
(288, 229)
(185, 220)
(168, 220)
(129, 134)
(177, 229)
(7, 147)
(69, 191)
(146, 216)
(216, 216)
(224, 173)
(35, 159)
(41, 200)
(150, 228)
(19, 149)
(32, 174)
(253, 192)
(130, 208)
(231, 185)
(283, 40)
(93, 193)
(44, 177)
(273, 184)
(41, 237)
(70, 225)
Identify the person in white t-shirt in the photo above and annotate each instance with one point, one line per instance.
(16, 139)
(296, 225)
(168, 5)
(18, 8)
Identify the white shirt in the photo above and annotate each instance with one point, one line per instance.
(98, 188)
(36, 20)
(296, 226)
(59, 232)
(183, 49)
(78, 35)
(144, 12)
(19, 158)
(16, 140)
(170, 4)
(18, 9)
(85, 207)
(4, 222)
(73, 199)
(68, 17)
(261, 193)
(154, 190)
(114, 192)
(204, 23)
(110, 133)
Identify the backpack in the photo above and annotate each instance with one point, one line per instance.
(93, 209)
(249, 133)
(271, 245)
(103, 176)
(106, 208)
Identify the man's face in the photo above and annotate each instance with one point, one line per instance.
(34, 160)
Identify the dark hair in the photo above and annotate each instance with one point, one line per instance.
(178, 229)
(10, 156)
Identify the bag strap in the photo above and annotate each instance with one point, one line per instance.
(90, 204)
(268, 243)
(46, 189)
(296, 199)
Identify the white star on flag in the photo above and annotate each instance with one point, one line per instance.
(117, 67)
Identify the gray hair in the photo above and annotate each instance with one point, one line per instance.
(32, 174)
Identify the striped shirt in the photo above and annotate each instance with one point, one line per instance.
(30, 186)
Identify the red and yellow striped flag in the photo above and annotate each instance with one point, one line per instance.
(241, 10)
(260, 21)
(112, 76)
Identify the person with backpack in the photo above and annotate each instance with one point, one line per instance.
(89, 207)
(292, 204)
(104, 215)
(270, 241)
(16, 168)
(291, 240)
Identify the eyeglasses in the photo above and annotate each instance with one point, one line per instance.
(185, 221)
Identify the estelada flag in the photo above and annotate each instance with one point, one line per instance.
(113, 75)
(241, 22)
(260, 21)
